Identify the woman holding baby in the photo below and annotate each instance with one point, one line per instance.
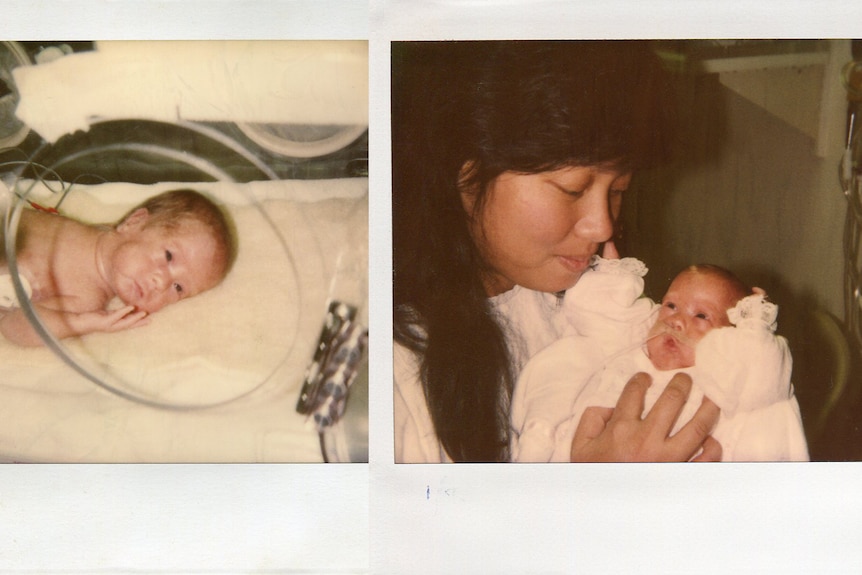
(510, 160)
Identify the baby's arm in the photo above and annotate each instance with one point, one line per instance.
(63, 323)
(745, 367)
(747, 370)
(772, 433)
(607, 304)
(545, 392)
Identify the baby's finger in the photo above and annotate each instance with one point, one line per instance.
(609, 251)
(630, 405)
(145, 320)
(663, 415)
(132, 319)
(695, 433)
(122, 311)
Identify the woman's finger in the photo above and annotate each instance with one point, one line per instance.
(593, 423)
(663, 415)
(695, 433)
(630, 405)
(609, 251)
(711, 451)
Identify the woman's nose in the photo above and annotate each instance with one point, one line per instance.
(596, 222)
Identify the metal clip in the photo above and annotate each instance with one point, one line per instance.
(339, 351)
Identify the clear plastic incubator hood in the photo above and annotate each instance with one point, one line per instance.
(269, 365)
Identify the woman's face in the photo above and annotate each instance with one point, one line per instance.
(540, 230)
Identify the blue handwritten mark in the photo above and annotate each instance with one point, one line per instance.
(447, 491)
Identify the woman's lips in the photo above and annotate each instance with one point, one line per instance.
(576, 265)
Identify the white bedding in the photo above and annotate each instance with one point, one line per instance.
(243, 346)
(279, 82)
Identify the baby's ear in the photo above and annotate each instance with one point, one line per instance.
(134, 221)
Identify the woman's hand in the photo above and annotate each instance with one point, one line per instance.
(620, 434)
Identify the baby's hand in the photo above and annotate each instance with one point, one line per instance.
(609, 251)
(112, 320)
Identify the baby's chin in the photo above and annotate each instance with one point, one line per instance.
(668, 364)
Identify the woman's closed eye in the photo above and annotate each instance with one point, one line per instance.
(574, 189)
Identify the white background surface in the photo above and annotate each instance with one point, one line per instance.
(382, 518)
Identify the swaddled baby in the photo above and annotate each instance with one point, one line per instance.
(708, 325)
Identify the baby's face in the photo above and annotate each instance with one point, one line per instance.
(153, 266)
(694, 304)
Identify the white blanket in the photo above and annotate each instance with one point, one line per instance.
(284, 82)
(242, 346)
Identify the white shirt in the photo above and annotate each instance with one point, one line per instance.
(531, 321)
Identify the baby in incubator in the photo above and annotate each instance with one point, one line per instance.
(171, 247)
(708, 325)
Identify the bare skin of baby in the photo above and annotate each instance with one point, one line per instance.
(75, 270)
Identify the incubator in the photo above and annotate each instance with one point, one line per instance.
(275, 133)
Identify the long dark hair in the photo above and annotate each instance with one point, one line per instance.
(523, 106)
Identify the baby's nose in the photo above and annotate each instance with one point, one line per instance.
(160, 279)
(676, 321)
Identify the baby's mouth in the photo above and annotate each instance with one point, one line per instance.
(137, 292)
(674, 336)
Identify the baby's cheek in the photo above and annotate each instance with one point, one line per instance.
(652, 347)
(156, 305)
(689, 357)
(657, 328)
(698, 334)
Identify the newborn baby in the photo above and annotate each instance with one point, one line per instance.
(173, 246)
(709, 325)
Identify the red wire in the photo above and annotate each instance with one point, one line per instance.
(43, 208)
